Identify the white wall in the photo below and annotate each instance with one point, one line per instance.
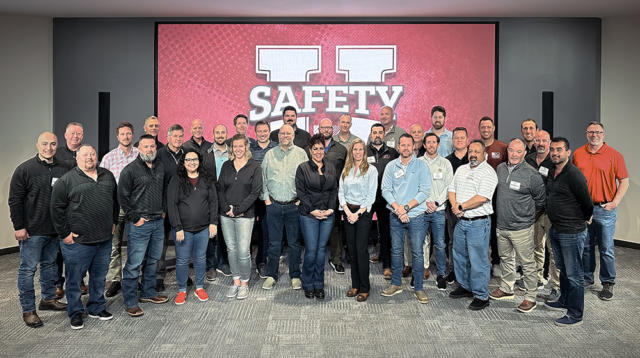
(620, 110)
(26, 98)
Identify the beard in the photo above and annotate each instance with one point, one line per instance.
(473, 162)
(148, 158)
(377, 141)
(438, 125)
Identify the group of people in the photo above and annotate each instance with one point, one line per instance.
(483, 206)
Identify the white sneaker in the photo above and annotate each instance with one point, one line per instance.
(497, 272)
(296, 284)
(268, 283)
(233, 291)
(243, 292)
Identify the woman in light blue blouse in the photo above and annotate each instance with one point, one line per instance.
(356, 194)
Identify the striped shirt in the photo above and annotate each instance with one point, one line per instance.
(467, 183)
(117, 159)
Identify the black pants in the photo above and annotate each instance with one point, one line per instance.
(357, 236)
(493, 239)
(382, 213)
(452, 220)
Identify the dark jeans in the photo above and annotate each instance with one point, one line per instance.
(452, 220)
(336, 244)
(493, 240)
(260, 234)
(382, 214)
(217, 251)
(567, 251)
(316, 234)
(169, 237)
(33, 251)
(79, 259)
(471, 241)
(280, 216)
(357, 237)
(145, 243)
(59, 268)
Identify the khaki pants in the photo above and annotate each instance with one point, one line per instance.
(518, 245)
(540, 240)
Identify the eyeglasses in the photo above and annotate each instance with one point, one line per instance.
(595, 132)
(190, 160)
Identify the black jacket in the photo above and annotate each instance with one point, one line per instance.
(170, 161)
(569, 204)
(547, 164)
(141, 190)
(456, 162)
(300, 139)
(335, 156)
(66, 156)
(239, 188)
(380, 159)
(30, 195)
(192, 144)
(209, 163)
(195, 210)
(316, 191)
(84, 206)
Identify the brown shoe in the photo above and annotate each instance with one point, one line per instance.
(362, 297)
(157, 300)
(83, 288)
(387, 273)
(352, 292)
(426, 274)
(31, 319)
(52, 305)
(498, 295)
(406, 271)
(59, 293)
(526, 306)
(135, 311)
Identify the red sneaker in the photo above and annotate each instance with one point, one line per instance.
(181, 297)
(201, 294)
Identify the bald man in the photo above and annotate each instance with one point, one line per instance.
(197, 141)
(152, 127)
(392, 132)
(29, 199)
(417, 133)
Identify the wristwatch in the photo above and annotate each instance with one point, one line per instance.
(407, 207)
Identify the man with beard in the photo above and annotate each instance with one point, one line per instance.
(335, 155)
(290, 117)
(141, 197)
(379, 155)
(115, 161)
(152, 127)
(438, 116)
(197, 141)
(84, 212)
(470, 196)
(528, 129)
(541, 161)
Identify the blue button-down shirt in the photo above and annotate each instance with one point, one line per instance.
(404, 183)
(358, 189)
(446, 142)
(258, 153)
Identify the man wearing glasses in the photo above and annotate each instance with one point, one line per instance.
(608, 181)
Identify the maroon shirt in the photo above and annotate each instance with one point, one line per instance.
(496, 153)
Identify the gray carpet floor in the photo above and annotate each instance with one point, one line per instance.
(283, 323)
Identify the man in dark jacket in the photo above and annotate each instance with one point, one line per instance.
(141, 197)
(290, 117)
(84, 211)
(29, 199)
(197, 141)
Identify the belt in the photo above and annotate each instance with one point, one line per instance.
(476, 218)
(353, 207)
(601, 203)
(292, 201)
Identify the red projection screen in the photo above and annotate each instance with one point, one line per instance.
(215, 71)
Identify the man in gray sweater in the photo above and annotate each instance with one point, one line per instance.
(520, 195)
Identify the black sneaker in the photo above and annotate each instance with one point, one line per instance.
(478, 304)
(460, 293)
(225, 270)
(113, 289)
(319, 293)
(262, 270)
(338, 268)
(451, 277)
(76, 321)
(607, 292)
(103, 316)
(441, 282)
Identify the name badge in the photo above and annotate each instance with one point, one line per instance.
(398, 173)
(514, 185)
(495, 155)
(391, 143)
(53, 181)
(544, 171)
(371, 159)
(437, 176)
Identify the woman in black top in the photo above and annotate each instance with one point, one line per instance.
(192, 206)
(317, 189)
(240, 185)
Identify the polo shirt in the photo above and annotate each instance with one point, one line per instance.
(467, 183)
(601, 169)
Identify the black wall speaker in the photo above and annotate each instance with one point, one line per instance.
(104, 118)
(547, 112)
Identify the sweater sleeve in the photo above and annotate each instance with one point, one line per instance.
(302, 190)
(125, 188)
(17, 197)
(222, 198)
(578, 185)
(59, 204)
(173, 197)
(213, 204)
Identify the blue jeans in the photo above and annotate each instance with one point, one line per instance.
(567, 251)
(436, 221)
(470, 256)
(286, 216)
(194, 245)
(237, 236)
(416, 230)
(601, 233)
(78, 259)
(217, 251)
(33, 251)
(145, 242)
(316, 234)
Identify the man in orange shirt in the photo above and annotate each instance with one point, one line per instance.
(608, 181)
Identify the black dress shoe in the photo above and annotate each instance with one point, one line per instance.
(478, 304)
(31, 319)
(308, 294)
(113, 289)
(319, 294)
(460, 293)
(52, 305)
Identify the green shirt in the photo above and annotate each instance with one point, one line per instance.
(279, 172)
